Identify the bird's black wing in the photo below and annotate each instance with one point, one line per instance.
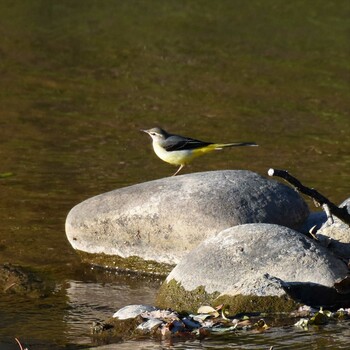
(179, 143)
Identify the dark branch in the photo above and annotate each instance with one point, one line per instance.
(326, 204)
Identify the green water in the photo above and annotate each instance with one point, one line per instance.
(80, 78)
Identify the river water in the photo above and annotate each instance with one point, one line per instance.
(79, 79)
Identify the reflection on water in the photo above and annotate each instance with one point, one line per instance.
(79, 79)
(66, 316)
(96, 301)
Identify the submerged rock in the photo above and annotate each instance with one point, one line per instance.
(164, 219)
(22, 281)
(133, 321)
(165, 324)
(233, 263)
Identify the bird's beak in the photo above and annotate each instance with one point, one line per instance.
(146, 131)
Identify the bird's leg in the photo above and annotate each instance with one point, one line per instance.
(181, 166)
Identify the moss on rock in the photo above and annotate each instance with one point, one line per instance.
(115, 330)
(172, 295)
(251, 303)
(132, 263)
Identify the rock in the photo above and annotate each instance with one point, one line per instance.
(346, 204)
(246, 253)
(162, 220)
(149, 325)
(22, 281)
(256, 293)
(132, 311)
(115, 329)
(336, 236)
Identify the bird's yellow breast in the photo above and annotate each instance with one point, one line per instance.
(180, 157)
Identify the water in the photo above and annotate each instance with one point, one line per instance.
(78, 81)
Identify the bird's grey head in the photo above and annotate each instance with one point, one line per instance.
(157, 134)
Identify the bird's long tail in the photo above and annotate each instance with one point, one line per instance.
(218, 146)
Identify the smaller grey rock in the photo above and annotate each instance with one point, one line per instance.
(132, 311)
(234, 260)
(337, 238)
(252, 249)
(319, 219)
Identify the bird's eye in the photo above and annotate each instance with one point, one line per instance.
(153, 133)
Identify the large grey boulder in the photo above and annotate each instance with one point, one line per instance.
(161, 220)
(237, 258)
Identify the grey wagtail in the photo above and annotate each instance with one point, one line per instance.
(180, 150)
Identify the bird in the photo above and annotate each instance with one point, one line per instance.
(180, 150)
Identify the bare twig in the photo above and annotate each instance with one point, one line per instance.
(329, 207)
(19, 343)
